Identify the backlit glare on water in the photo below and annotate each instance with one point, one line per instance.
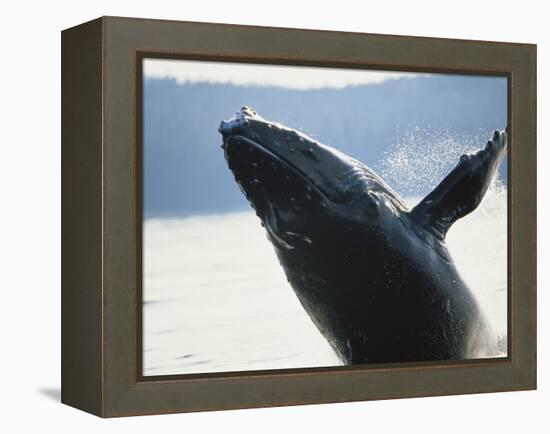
(216, 298)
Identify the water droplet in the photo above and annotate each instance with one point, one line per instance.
(254, 164)
(292, 199)
(292, 149)
(323, 204)
(300, 139)
(255, 181)
(308, 197)
(308, 188)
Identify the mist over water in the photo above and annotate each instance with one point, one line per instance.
(419, 158)
(216, 298)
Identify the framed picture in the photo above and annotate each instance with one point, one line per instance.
(260, 216)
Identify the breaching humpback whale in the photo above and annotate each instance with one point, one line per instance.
(375, 277)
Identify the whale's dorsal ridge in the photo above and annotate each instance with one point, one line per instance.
(462, 190)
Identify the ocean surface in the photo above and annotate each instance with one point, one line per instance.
(216, 298)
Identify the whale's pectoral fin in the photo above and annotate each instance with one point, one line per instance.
(462, 189)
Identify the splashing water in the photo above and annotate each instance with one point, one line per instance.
(420, 158)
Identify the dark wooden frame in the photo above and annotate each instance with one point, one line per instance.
(101, 216)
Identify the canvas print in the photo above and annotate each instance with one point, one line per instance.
(302, 217)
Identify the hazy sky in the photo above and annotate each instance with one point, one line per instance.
(295, 77)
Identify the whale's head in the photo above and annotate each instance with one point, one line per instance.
(300, 188)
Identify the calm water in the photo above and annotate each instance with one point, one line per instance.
(216, 298)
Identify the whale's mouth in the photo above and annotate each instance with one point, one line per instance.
(276, 160)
